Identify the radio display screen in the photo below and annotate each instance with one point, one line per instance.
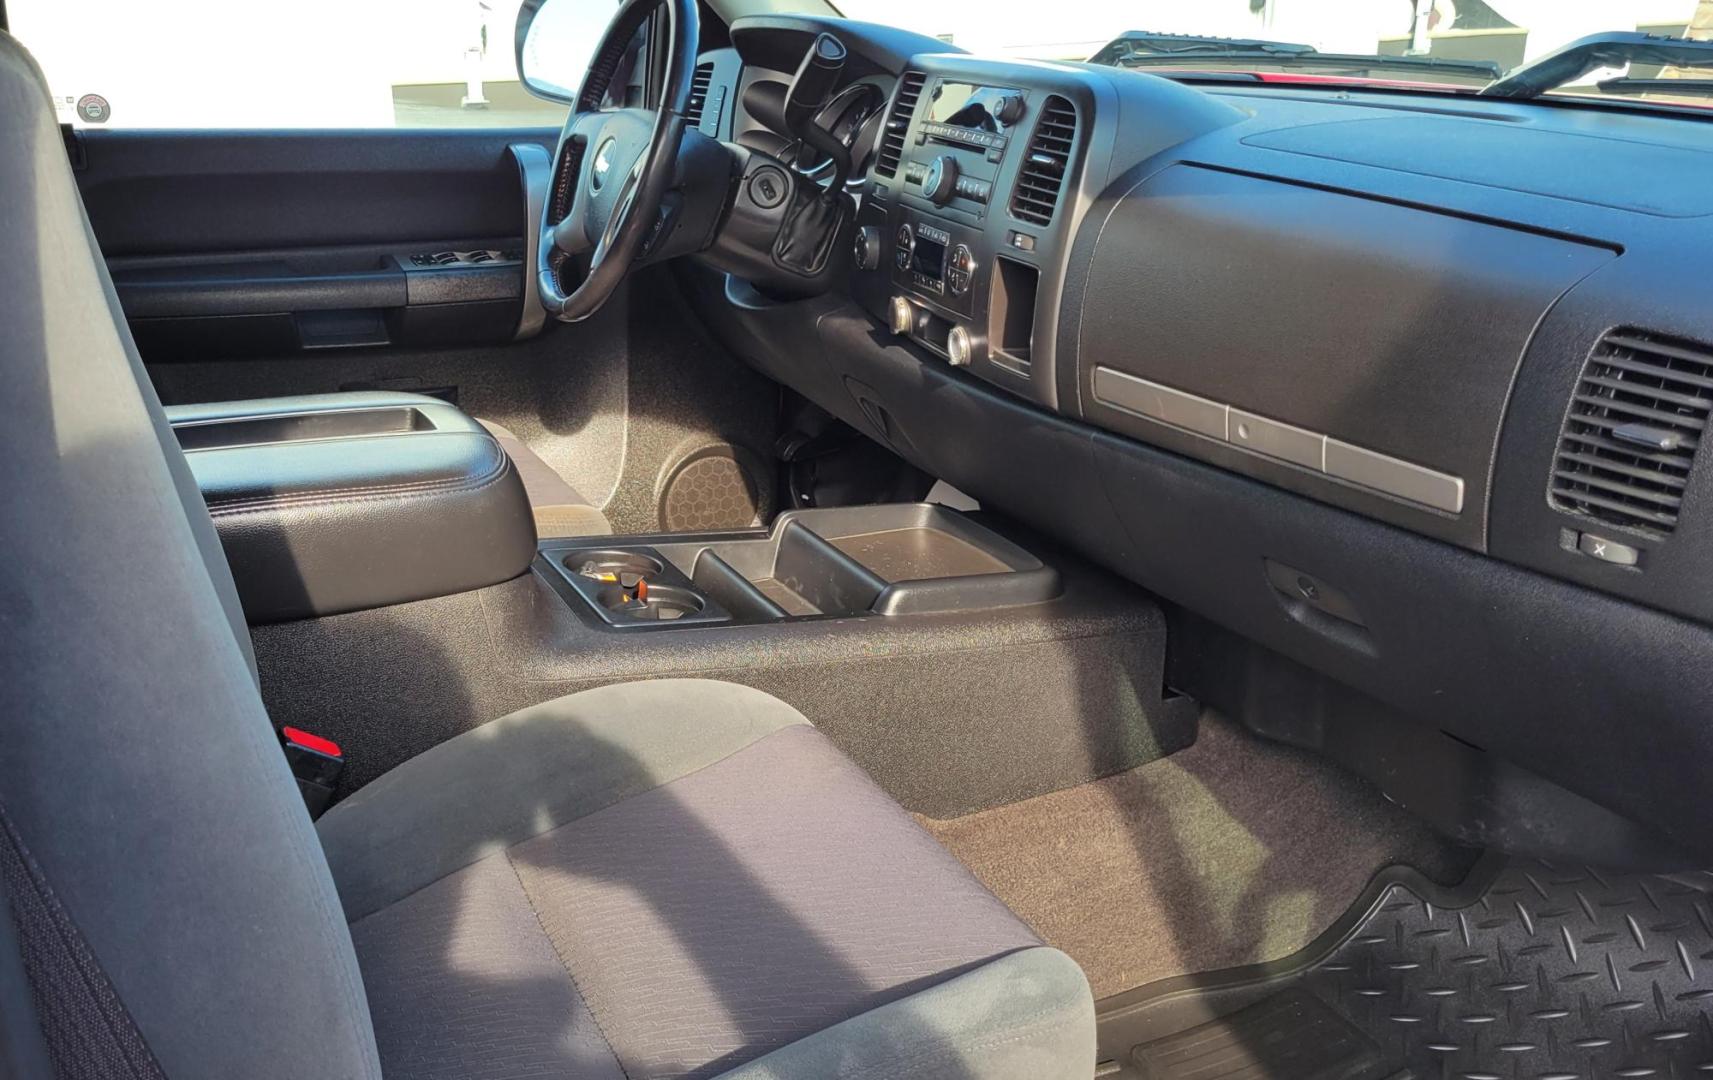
(966, 106)
(929, 258)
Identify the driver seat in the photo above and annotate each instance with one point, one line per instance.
(673, 878)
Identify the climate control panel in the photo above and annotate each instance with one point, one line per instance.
(932, 259)
(937, 280)
(930, 254)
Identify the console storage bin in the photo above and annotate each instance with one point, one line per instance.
(895, 559)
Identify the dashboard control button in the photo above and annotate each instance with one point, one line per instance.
(941, 181)
(960, 270)
(867, 248)
(1009, 110)
(1608, 550)
(974, 190)
(1022, 241)
(905, 248)
(901, 315)
(960, 347)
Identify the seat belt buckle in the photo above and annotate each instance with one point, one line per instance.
(315, 764)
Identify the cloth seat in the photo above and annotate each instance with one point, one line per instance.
(662, 879)
(559, 508)
(677, 878)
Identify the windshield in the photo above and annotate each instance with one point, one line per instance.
(1407, 44)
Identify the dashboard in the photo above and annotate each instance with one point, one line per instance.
(1406, 388)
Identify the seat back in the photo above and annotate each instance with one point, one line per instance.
(172, 913)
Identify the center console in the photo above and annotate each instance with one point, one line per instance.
(979, 184)
(963, 215)
(897, 559)
(960, 211)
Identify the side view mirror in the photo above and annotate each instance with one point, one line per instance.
(555, 40)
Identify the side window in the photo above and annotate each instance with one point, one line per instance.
(304, 64)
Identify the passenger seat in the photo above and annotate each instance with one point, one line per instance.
(675, 878)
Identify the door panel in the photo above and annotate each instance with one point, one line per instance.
(200, 192)
(226, 244)
(255, 264)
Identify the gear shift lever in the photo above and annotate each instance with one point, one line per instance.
(812, 88)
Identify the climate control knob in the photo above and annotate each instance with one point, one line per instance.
(941, 183)
(960, 347)
(901, 315)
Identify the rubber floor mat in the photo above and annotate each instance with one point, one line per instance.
(1290, 1034)
(1555, 973)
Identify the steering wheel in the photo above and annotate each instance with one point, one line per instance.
(613, 166)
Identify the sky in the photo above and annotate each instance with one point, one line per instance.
(334, 63)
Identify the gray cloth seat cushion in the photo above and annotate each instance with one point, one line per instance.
(680, 878)
(560, 509)
(671, 878)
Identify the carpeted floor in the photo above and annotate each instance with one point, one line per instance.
(1234, 851)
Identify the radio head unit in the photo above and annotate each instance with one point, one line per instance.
(975, 108)
(977, 117)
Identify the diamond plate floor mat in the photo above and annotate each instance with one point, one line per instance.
(1536, 971)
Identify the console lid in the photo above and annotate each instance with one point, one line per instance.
(340, 502)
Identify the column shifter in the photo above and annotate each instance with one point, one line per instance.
(818, 216)
(811, 91)
(783, 232)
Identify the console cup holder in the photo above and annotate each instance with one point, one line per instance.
(657, 603)
(623, 568)
(636, 588)
(829, 563)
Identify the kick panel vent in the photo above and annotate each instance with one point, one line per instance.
(1639, 414)
(699, 84)
(1045, 163)
(898, 123)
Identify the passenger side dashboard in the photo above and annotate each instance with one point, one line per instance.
(1341, 372)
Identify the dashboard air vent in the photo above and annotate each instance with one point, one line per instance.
(1639, 413)
(699, 84)
(1045, 163)
(898, 123)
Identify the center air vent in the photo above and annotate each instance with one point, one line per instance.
(699, 84)
(898, 123)
(1638, 416)
(1045, 163)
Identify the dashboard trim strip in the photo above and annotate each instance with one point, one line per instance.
(1153, 401)
(1251, 433)
(1394, 476)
